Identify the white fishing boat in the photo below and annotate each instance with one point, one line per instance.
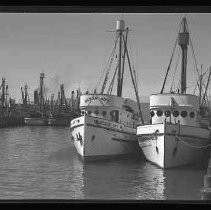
(178, 133)
(107, 125)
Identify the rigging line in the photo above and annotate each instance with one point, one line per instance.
(136, 92)
(123, 65)
(208, 80)
(112, 81)
(175, 69)
(175, 44)
(111, 55)
(194, 90)
(194, 56)
(108, 69)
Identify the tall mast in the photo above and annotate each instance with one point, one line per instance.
(120, 25)
(183, 41)
(42, 89)
(3, 92)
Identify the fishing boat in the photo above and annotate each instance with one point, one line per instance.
(107, 125)
(36, 121)
(63, 119)
(37, 116)
(178, 133)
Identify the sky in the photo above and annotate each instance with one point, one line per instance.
(73, 48)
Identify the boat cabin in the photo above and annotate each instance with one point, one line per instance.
(110, 107)
(174, 108)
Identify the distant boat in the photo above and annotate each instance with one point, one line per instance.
(178, 133)
(107, 125)
(36, 121)
(61, 120)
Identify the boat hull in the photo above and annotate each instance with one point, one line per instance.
(170, 145)
(95, 138)
(59, 121)
(35, 121)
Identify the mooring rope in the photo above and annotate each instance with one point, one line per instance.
(192, 146)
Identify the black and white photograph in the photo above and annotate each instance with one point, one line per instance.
(105, 106)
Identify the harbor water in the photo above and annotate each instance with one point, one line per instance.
(42, 163)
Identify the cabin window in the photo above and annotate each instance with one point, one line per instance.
(96, 112)
(192, 114)
(114, 115)
(159, 113)
(152, 113)
(82, 112)
(167, 113)
(184, 113)
(89, 112)
(104, 113)
(175, 113)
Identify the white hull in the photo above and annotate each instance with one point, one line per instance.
(101, 137)
(173, 145)
(35, 121)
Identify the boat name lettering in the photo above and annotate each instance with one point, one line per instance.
(94, 98)
(108, 124)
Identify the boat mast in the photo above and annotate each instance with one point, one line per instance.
(42, 99)
(183, 41)
(120, 25)
(3, 96)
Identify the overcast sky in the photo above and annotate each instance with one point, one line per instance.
(74, 48)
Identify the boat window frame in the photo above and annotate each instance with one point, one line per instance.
(184, 111)
(159, 111)
(167, 113)
(175, 115)
(152, 113)
(192, 114)
(104, 113)
(96, 112)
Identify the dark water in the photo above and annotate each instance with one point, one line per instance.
(42, 163)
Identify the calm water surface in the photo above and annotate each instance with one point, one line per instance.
(42, 163)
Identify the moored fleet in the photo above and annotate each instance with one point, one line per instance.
(105, 123)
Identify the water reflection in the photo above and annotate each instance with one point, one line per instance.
(137, 179)
(184, 183)
(42, 163)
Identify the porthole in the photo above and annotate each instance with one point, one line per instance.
(167, 113)
(152, 113)
(159, 113)
(82, 112)
(175, 113)
(96, 112)
(184, 113)
(192, 114)
(104, 113)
